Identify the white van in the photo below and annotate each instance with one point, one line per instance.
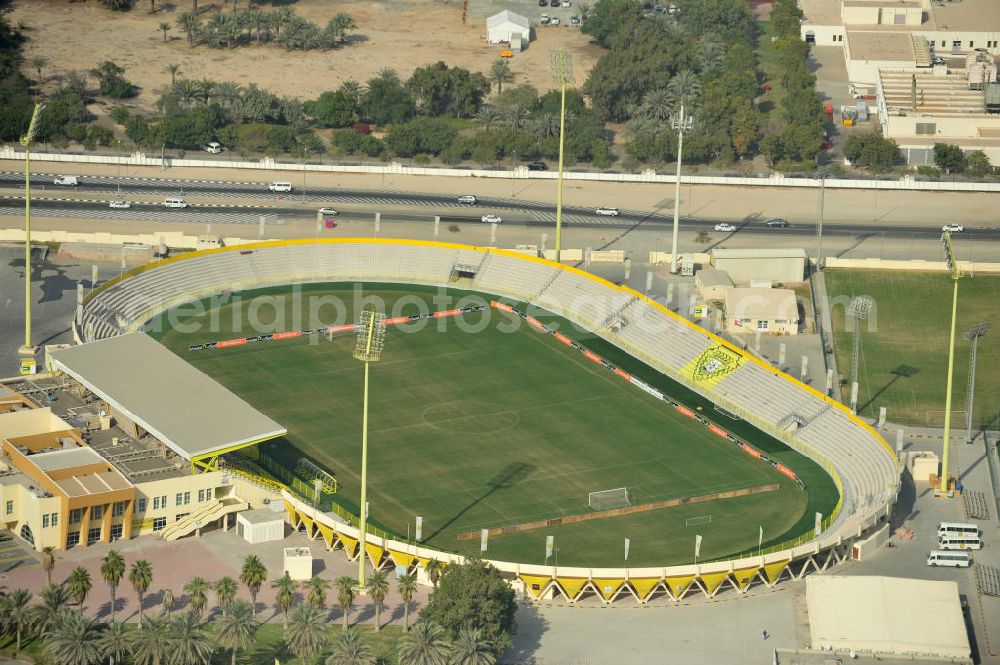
(67, 180)
(957, 529)
(960, 543)
(954, 559)
(175, 203)
(280, 186)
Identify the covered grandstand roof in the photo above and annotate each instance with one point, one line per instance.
(189, 412)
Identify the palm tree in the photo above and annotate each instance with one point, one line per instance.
(237, 629)
(48, 562)
(79, 584)
(434, 569)
(173, 69)
(711, 51)
(684, 88)
(488, 116)
(378, 587)
(657, 104)
(55, 600)
(253, 575)
(112, 569)
(115, 642)
(544, 125)
(350, 649)
(515, 115)
(306, 633)
(151, 643)
(168, 601)
(225, 591)
(407, 587)
(317, 587)
(164, 26)
(190, 24)
(140, 576)
(205, 89)
(190, 643)
(354, 89)
(424, 645)
(197, 593)
(72, 640)
(472, 648)
(500, 73)
(345, 595)
(17, 611)
(387, 74)
(38, 62)
(284, 596)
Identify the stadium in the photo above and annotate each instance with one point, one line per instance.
(595, 442)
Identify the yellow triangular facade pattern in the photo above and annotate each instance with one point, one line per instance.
(535, 584)
(711, 581)
(774, 570)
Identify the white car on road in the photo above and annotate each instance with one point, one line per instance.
(724, 227)
(492, 219)
(612, 212)
(330, 212)
(953, 228)
(121, 205)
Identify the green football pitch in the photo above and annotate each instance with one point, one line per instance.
(904, 351)
(476, 424)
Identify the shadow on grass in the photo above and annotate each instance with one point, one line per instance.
(902, 372)
(508, 477)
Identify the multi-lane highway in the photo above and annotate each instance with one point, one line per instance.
(233, 202)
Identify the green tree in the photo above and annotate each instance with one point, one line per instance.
(378, 587)
(253, 575)
(872, 151)
(164, 26)
(140, 576)
(786, 18)
(190, 24)
(407, 587)
(684, 88)
(500, 73)
(117, 5)
(150, 641)
(730, 19)
(197, 592)
(112, 81)
(237, 630)
(168, 602)
(190, 642)
(426, 644)
(434, 568)
(606, 17)
(978, 164)
(350, 649)
(345, 595)
(115, 642)
(440, 90)
(387, 101)
(421, 135)
(333, 109)
(79, 584)
(16, 607)
(306, 634)
(474, 595)
(48, 562)
(72, 640)
(949, 158)
(225, 592)
(471, 648)
(284, 595)
(55, 601)
(317, 588)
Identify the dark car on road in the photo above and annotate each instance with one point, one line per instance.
(778, 223)
(538, 166)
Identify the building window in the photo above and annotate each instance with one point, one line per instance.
(55, 519)
(97, 512)
(159, 523)
(926, 128)
(93, 534)
(182, 499)
(187, 498)
(142, 505)
(10, 507)
(45, 521)
(116, 531)
(119, 509)
(201, 495)
(76, 516)
(972, 44)
(181, 516)
(762, 324)
(160, 502)
(72, 538)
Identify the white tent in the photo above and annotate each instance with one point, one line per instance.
(509, 27)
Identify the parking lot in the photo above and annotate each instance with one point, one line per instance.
(540, 15)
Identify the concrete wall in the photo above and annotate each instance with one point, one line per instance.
(824, 35)
(211, 482)
(948, 126)
(28, 509)
(881, 15)
(863, 72)
(742, 271)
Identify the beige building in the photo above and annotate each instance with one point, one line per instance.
(712, 283)
(783, 266)
(753, 310)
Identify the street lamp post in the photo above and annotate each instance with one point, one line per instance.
(955, 274)
(371, 341)
(823, 172)
(681, 122)
(28, 349)
(973, 335)
(561, 67)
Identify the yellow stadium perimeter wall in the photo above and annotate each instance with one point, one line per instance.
(548, 582)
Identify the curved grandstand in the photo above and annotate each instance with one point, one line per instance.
(860, 463)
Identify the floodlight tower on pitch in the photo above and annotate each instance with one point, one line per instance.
(682, 123)
(972, 335)
(561, 66)
(858, 309)
(371, 341)
(28, 349)
(955, 274)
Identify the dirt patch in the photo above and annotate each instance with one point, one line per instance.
(403, 35)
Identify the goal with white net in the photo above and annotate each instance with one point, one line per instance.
(609, 499)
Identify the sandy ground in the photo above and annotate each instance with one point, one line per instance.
(403, 35)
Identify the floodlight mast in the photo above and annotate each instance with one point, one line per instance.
(858, 309)
(681, 122)
(368, 349)
(972, 335)
(28, 349)
(955, 274)
(561, 67)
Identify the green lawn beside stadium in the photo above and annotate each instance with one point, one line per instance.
(904, 353)
(486, 422)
